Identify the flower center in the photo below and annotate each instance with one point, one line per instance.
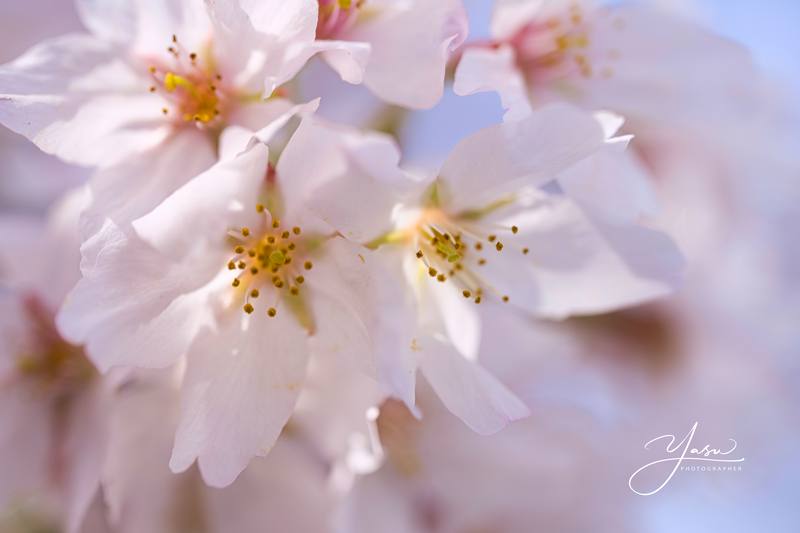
(269, 263)
(190, 85)
(560, 47)
(48, 359)
(454, 249)
(337, 16)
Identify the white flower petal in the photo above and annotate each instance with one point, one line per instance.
(499, 160)
(349, 59)
(346, 182)
(410, 48)
(362, 312)
(467, 390)
(582, 266)
(131, 189)
(203, 211)
(75, 99)
(698, 79)
(134, 306)
(611, 185)
(240, 389)
(494, 69)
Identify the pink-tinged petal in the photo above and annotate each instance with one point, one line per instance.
(75, 99)
(499, 160)
(582, 266)
(349, 168)
(611, 185)
(133, 188)
(135, 306)
(241, 386)
(494, 69)
(363, 313)
(411, 45)
(467, 390)
(201, 213)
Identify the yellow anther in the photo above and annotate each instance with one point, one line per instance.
(231, 265)
(466, 293)
(276, 223)
(296, 230)
(254, 293)
(239, 249)
(499, 246)
(481, 261)
(432, 272)
(272, 312)
(248, 308)
(241, 265)
(278, 283)
(259, 208)
(294, 290)
(514, 229)
(479, 246)
(254, 270)
(236, 282)
(419, 254)
(477, 299)
(441, 277)
(246, 232)
(525, 251)
(271, 239)
(492, 238)
(308, 265)
(285, 235)
(505, 299)
(291, 246)
(299, 280)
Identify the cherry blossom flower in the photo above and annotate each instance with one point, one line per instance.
(439, 476)
(142, 494)
(52, 412)
(146, 93)
(486, 228)
(232, 272)
(653, 67)
(399, 49)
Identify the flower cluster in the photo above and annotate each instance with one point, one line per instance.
(243, 277)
